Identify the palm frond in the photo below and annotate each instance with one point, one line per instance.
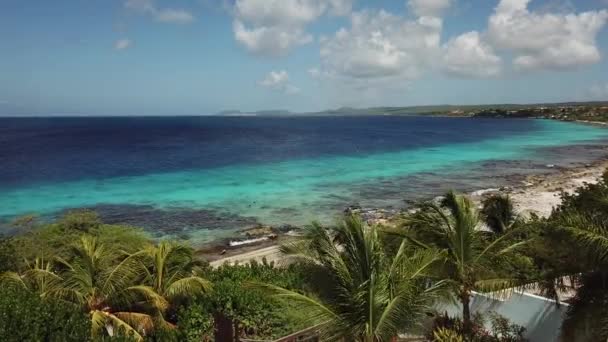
(150, 294)
(318, 312)
(189, 286)
(13, 279)
(138, 321)
(103, 320)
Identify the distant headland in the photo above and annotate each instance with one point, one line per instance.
(567, 111)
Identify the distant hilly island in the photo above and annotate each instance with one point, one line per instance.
(412, 110)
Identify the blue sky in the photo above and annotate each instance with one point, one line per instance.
(188, 57)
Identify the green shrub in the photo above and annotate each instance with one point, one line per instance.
(26, 317)
(8, 255)
(448, 329)
(195, 323)
(83, 220)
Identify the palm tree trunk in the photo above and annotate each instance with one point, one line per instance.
(224, 329)
(465, 299)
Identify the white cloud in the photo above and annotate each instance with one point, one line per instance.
(546, 40)
(380, 54)
(165, 15)
(274, 27)
(270, 41)
(122, 44)
(279, 81)
(432, 8)
(381, 46)
(468, 56)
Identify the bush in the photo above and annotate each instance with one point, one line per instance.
(233, 302)
(195, 324)
(82, 220)
(26, 317)
(8, 255)
(451, 329)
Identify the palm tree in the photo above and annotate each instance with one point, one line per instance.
(97, 280)
(498, 213)
(38, 277)
(170, 274)
(366, 294)
(579, 254)
(571, 251)
(471, 253)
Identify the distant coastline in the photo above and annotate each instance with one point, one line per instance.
(559, 110)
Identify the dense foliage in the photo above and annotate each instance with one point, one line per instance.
(26, 317)
(571, 251)
(237, 308)
(473, 257)
(364, 292)
(114, 281)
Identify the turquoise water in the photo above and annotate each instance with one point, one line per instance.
(293, 191)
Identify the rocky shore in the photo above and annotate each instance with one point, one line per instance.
(534, 194)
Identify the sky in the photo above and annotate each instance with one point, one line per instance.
(192, 57)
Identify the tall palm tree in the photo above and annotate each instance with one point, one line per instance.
(170, 273)
(471, 253)
(97, 280)
(366, 294)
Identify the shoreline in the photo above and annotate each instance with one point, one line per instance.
(537, 194)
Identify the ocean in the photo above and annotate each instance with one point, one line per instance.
(204, 178)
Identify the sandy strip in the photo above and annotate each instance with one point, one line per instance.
(272, 254)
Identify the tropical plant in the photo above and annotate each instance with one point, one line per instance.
(38, 278)
(97, 280)
(574, 252)
(571, 251)
(446, 335)
(364, 293)
(56, 239)
(498, 213)
(240, 311)
(472, 257)
(170, 274)
(451, 329)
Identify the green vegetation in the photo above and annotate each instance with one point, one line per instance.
(363, 292)
(572, 251)
(111, 281)
(450, 329)
(78, 279)
(473, 256)
(25, 316)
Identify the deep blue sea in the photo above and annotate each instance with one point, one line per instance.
(202, 178)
